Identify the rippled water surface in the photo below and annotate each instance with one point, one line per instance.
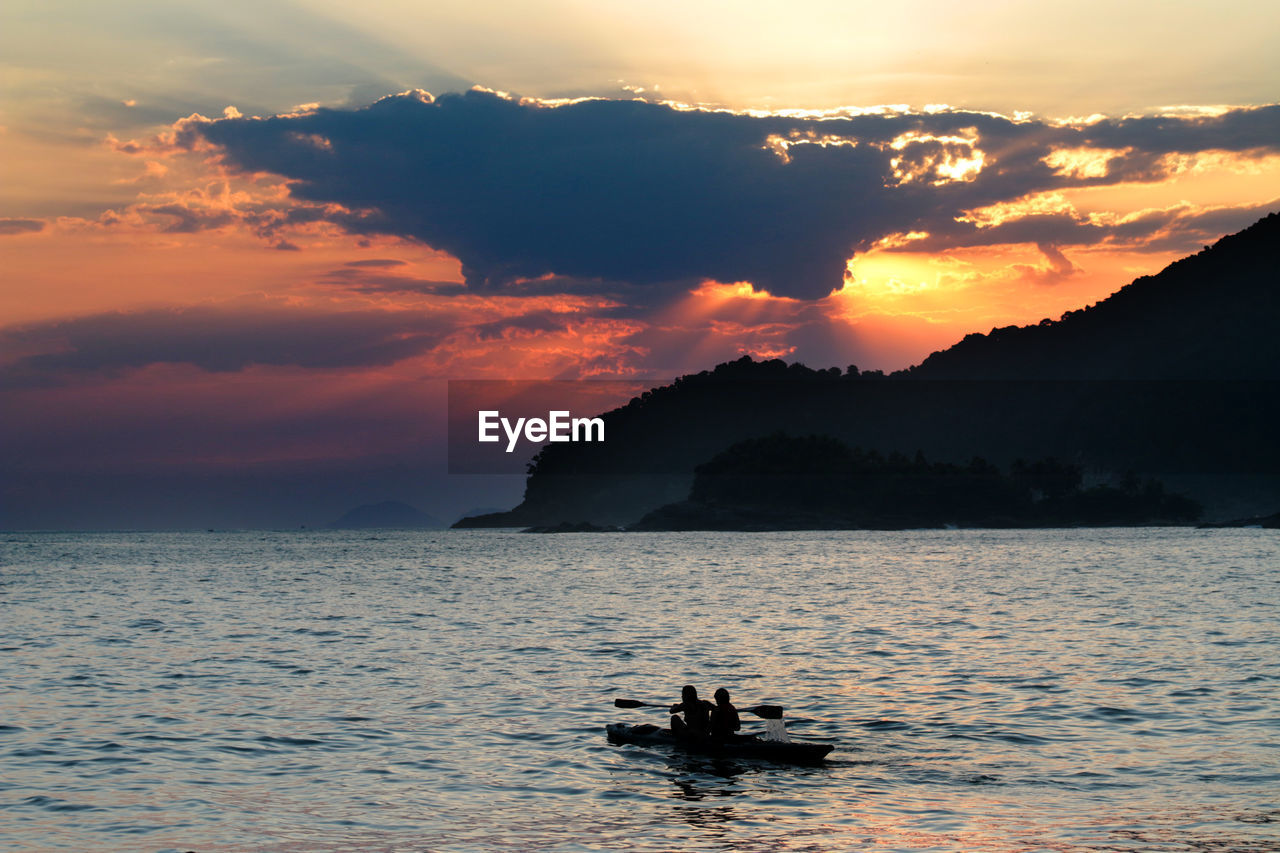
(1078, 690)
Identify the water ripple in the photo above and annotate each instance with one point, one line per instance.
(991, 691)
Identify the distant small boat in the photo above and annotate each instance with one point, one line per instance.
(739, 746)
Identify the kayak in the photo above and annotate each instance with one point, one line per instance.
(740, 746)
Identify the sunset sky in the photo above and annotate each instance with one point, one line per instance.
(244, 245)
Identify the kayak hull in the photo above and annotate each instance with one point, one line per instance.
(738, 747)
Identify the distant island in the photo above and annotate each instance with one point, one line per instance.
(1173, 380)
(388, 514)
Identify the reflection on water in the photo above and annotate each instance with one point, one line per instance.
(985, 691)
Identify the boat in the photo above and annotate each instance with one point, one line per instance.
(739, 746)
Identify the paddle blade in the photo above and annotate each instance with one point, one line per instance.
(628, 703)
(769, 712)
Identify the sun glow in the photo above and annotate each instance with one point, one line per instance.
(716, 291)
(936, 159)
(897, 241)
(1083, 162)
(780, 145)
(1037, 204)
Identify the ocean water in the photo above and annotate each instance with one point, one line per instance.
(1059, 690)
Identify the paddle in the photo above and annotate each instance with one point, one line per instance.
(768, 712)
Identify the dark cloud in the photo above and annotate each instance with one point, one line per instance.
(20, 226)
(214, 338)
(638, 294)
(379, 276)
(647, 194)
(1181, 228)
(1193, 230)
(371, 279)
(377, 262)
(1058, 267)
(536, 322)
(231, 338)
(183, 219)
(1243, 129)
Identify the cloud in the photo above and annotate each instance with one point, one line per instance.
(20, 226)
(377, 277)
(238, 336)
(1049, 220)
(378, 262)
(1057, 267)
(650, 194)
(532, 323)
(185, 219)
(215, 338)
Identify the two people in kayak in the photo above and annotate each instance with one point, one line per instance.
(702, 719)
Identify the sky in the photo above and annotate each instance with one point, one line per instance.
(244, 246)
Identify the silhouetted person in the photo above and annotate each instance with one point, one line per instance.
(724, 717)
(697, 714)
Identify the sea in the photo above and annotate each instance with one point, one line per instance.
(998, 691)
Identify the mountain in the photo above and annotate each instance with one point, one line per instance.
(1174, 377)
(388, 514)
(1213, 315)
